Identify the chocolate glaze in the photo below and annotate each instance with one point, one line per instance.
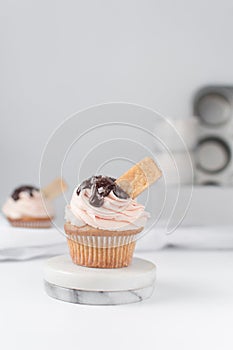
(18, 190)
(100, 187)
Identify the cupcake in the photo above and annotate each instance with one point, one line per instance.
(104, 220)
(26, 208)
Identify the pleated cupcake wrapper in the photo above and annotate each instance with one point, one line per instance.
(102, 251)
(31, 224)
(103, 241)
(111, 257)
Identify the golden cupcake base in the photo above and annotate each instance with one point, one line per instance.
(101, 248)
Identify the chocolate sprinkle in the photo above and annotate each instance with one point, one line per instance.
(100, 187)
(18, 190)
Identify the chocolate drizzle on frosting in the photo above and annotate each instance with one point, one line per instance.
(100, 187)
(18, 190)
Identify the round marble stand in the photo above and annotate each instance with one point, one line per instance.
(83, 285)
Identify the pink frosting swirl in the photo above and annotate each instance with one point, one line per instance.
(115, 214)
(27, 206)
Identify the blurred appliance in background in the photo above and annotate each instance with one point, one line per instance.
(209, 140)
(213, 105)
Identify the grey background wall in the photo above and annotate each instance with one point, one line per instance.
(60, 56)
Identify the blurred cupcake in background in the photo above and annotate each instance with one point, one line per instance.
(30, 207)
(25, 208)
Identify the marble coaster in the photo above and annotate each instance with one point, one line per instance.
(82, 285)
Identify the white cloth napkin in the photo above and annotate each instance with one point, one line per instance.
(24, 243)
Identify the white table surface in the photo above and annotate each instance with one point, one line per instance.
(192, 308)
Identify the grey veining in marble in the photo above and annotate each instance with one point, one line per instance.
(98, 297)
(84, 285)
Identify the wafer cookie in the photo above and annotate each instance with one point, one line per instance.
(139, 177)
